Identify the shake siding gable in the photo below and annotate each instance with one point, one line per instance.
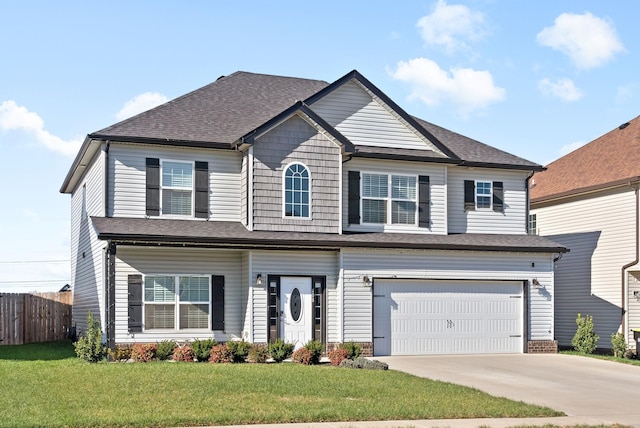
(296, 141)
(599, 231)
(127, 178)
(87, 252)
(365, 121)
(511, 220)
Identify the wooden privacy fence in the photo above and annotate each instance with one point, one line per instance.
(30, 318)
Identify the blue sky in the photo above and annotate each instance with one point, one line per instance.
(536, 79)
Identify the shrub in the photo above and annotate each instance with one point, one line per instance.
(316, 349)
(202, 348)
(303, 356)
(363, 363)
(164, 349)
(143, 352)
(619, 345)
(121, 353)
(280, 350)
(585, 339)
(337, 355)
(183, 353)
(258, 354)
(352, 348)
(89, 346)
(239, 350)
(220, 354)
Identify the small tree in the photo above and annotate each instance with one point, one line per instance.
(89, 346)
(619, 345)
(585, 339)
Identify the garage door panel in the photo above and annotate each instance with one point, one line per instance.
(442, 317)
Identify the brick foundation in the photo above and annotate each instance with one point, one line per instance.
(542, 346)
(367, 348)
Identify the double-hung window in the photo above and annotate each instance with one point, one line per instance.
(483, 194)
(389, 199)
(177, 188)
(176, 302)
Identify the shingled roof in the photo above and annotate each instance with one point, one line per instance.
(610, 160)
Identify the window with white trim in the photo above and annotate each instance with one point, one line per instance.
(389, 199)
(177, 188)
(176, 302)
(297, 191)
(483, 194)
(533, 224)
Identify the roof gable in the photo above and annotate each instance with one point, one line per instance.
(609, 160)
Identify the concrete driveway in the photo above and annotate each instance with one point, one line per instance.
(592, 390)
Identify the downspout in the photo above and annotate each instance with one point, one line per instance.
(625, 286)
(106, 178)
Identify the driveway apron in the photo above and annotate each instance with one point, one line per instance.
(602, 391)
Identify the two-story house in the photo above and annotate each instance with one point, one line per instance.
(589, 201)
(262, 207)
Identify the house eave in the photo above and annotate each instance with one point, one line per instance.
(626, 182)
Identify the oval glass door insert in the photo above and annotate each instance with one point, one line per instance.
(295, 305)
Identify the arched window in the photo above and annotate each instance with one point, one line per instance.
(297, 192)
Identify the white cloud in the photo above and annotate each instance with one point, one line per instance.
(450, 26)
(18, 118)
(466, 89)
(589, 41)
(141, 103)
(564, 89)
(568, 148)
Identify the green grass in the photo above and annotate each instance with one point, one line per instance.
(604, 357)
(46, 385)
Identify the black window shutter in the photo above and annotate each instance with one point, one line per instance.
(153, 187)
(469, 195)
(135, 303)
(498, 196)
(354, 197)
(217, 302)
(424, 201)
(202, 189)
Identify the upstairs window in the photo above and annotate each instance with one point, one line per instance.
(483, 194)
(177, 188)
(297, 193)
(388, 199)
(533, 224)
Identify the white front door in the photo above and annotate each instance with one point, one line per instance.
(296, 310)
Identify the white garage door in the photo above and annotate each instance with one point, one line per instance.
(447, 317)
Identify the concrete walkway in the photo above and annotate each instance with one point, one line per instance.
(589, 391)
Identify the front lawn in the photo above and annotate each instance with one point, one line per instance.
(632, 362)
(45, 385)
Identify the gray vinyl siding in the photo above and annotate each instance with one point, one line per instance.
(366, 121)
(599, 231)
(514, 218)
(127, 172)
(86, 250)
(176, 261)
(296, 141)
(294, 263)
(633, 308)
(438, 193)
(452, 265)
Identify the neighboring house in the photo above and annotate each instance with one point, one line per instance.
(238, 211)
(588, 202)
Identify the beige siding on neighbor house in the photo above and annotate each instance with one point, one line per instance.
(366, 121)
(293, 263)
(446, 265)
(186, 261)
(599, 231)
(296, 141)
(127, 175)
(87, 254)
(438, 193)
(514, 218)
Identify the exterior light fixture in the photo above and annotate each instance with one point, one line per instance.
(259, 280)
